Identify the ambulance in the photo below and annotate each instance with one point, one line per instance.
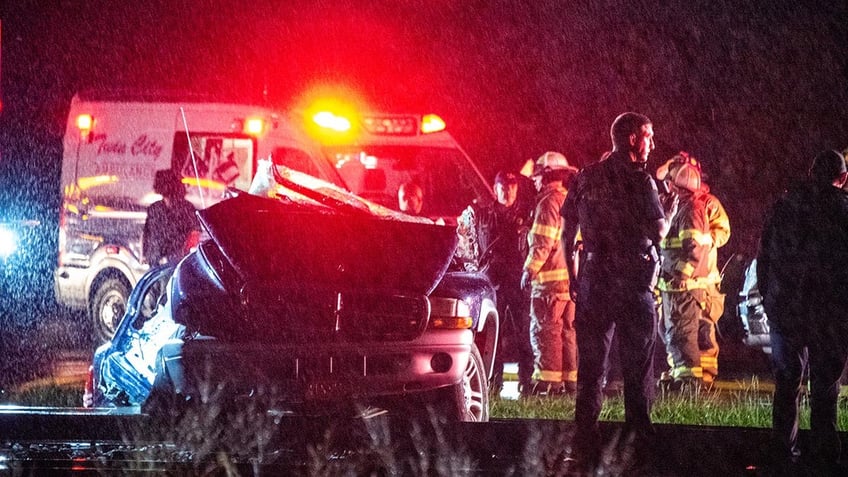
(113, 145)
(116, 141)
(375, 153)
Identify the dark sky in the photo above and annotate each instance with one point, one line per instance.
(753, 89)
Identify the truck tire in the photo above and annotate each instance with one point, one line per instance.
(468, 400)
(108, 305)
(475, 389)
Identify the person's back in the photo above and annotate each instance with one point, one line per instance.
(170, 221)
(605, 194)
(802, 268)
(803, 265)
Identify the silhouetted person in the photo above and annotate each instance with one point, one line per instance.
(802, 272)
(502, 234)
(170, 221)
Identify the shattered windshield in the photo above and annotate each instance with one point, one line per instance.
(377, 172)
(290, 185)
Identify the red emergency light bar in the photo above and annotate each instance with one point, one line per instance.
(383, 125)
(391, 125)
(403, 125)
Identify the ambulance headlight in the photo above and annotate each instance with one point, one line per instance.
(8, 242)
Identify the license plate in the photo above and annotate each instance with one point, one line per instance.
(323, 389)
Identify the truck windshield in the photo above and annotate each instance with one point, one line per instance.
(450, 183)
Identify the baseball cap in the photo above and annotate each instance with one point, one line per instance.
(506, 178)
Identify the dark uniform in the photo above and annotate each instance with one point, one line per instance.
(614, 202)
(170, 221)
(502, 235)
(802, 269)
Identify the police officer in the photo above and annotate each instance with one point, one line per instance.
(551, 309)
(502, 234)
(615, 205)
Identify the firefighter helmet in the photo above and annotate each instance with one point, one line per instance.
(550, 161)
(685, 176)
(682, 157)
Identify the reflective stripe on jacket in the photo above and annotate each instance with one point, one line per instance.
(689, 257)
(546, 259)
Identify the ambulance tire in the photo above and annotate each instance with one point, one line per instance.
(108, 306)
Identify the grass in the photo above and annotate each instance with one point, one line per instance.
(47, 393)
(248, 438)
(747, 405)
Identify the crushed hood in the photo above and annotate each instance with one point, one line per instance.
(273, 241)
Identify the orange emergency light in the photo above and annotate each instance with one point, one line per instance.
(84, 123)
(431, 123)
(332, 121)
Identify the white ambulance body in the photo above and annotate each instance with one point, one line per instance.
(374, 153)
(113, 146)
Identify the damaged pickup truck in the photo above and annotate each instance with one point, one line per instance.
(306, 300)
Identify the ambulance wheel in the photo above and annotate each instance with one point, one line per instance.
(108, 307)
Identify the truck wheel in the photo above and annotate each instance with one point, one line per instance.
(108, 307)
(475, 389)
(467, 400)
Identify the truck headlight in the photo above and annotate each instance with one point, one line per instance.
(450, 314)
(8, 242)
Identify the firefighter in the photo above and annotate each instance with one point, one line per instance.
(502, 234)
(551, 309)
(691, 301)
(615, 205)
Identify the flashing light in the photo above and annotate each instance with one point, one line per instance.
(85, 122)
(431, 123)
(329, 120)
(8, 242)
(254, 126)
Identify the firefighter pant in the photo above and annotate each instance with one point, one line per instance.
(553, 338)
(825, 353)
(682, 315)
(603, 309)
(707, 342)
(514, 320)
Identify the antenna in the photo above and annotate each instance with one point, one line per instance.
(193, 159)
